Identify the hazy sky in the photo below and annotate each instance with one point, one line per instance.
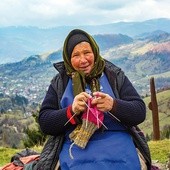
(51, 13)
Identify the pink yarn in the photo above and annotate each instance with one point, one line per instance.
(92, 114)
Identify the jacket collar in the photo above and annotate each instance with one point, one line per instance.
(59, 66)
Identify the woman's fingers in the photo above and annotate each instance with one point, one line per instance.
(99, 94)
(103, 101)
(79, 103)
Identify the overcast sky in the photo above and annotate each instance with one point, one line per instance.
(52, 13)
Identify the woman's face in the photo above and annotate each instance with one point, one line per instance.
(82, 57)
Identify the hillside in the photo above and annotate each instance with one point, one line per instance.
(107, 41)
(163, 99)
(12, 129)
(143, 59)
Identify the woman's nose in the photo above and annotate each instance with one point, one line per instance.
(82, 59)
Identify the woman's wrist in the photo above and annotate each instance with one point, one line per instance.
(113, 109)
(71, 115)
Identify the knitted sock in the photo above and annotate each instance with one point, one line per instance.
(84, 134)
(92, 120)
(75, 132)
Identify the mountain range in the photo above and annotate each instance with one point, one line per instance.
(140, 58)
(17, 43)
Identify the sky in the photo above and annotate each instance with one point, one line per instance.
(52, 13)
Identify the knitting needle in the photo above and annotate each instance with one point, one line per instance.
(70, 119)
(87, 118)
(114, 116)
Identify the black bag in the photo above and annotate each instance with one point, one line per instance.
(50, 153)
(23, 153)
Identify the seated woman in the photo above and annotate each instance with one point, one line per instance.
(87, 107)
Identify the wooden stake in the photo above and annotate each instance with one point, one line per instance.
(154, 107)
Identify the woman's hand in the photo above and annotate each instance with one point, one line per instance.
(103, 101)
(79, 102)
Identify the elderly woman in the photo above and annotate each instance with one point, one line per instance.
(88, 106)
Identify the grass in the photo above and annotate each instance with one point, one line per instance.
(160, 151)
(6, 154)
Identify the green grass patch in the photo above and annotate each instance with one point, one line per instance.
(6, 154)
(160, 150)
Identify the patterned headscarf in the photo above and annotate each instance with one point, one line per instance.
(79, 78)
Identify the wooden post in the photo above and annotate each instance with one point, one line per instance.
(154, 107)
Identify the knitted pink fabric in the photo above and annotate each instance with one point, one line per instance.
(92, 114)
